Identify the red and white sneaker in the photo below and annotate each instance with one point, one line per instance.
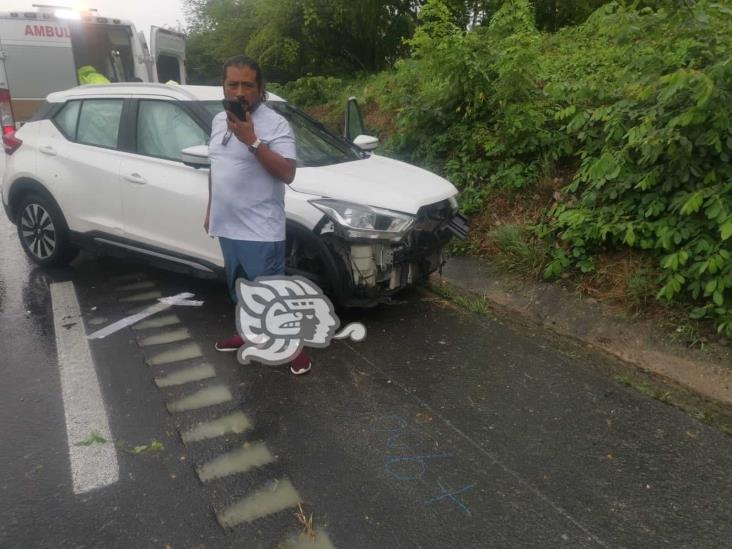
(230, 345)
(301, 364)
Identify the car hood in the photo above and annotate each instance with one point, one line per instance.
(376, 181)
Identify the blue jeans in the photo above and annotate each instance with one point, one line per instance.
(249, 259)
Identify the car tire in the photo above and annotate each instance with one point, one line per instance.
(43, 233)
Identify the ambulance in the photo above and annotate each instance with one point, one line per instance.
(43, 50)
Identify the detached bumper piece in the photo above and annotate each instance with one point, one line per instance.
(459, 226)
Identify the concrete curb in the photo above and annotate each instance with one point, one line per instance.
(634, 342)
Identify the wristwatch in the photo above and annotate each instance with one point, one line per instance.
(254, 146)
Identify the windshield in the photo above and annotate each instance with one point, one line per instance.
(316, 145)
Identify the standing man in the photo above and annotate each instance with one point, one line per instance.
(251, 161)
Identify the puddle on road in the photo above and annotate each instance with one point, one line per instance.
(275, 497)
(184, 352)
(187, 375)
(145, 296)
(233, 424)
(171, 336)
(97, 321)
(136, 286)
(210, 396)
(159, 322)
(235, 462)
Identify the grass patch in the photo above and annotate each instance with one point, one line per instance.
(461, 298)
(517, 251)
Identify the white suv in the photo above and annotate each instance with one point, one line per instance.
(123, 169)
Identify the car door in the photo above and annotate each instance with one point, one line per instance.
(168, 50)
(164, 201)
(79, 162)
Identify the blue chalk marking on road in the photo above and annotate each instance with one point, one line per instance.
(447, 493)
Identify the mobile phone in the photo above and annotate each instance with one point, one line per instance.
(234, 107)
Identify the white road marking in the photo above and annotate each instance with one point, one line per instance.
(273, 498)
(186, 375)
(240, 460)
(129, 321)
(160, 322)
(95, 465)
(170, 336)
(210, 396)
(232, 424)
(303, 541)
(145, 296)
(183, 352)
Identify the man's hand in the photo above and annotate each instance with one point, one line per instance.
(242, 129)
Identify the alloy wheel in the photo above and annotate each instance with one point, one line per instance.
(38, 231)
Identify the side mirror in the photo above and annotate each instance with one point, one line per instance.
(366, 142)
(196, 156)
(353, 123)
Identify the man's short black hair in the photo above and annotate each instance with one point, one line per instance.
(243, 61)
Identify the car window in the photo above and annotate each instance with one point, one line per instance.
(99, 122)
(316, 145)
(164, 129)
(66, 119)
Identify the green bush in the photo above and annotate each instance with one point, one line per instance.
(309, 91)
(468, 102)
(648, 107)
(638, 98)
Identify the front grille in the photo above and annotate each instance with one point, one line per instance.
(433, 216)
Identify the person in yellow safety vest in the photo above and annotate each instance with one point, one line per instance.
(89, 75)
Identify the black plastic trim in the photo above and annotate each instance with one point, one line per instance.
(89, 241)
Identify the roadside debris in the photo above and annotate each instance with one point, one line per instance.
(93, 438)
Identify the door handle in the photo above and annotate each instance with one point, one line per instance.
(50, 151)
(136, 178)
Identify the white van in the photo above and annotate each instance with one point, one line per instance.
(41, 52)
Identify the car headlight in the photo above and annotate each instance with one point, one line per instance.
(360, 221)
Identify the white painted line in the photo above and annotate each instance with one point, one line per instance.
(170, 336)
(210, 396)
(129, 321)
(186, 375)
(145, 296)
(303, 541)
(183, 352)
(232, 424)
(241, 460)
(160, 322)
(94, 465)
(275, 497)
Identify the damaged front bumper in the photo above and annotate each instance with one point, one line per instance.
(380, 268)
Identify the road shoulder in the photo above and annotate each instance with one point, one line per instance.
(706, 374)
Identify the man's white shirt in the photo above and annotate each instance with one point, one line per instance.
(247, 203)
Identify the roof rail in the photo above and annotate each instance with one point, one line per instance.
(50, 7)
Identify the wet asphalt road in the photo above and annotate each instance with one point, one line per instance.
(442, 429)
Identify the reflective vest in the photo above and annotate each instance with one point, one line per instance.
(89, 75)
